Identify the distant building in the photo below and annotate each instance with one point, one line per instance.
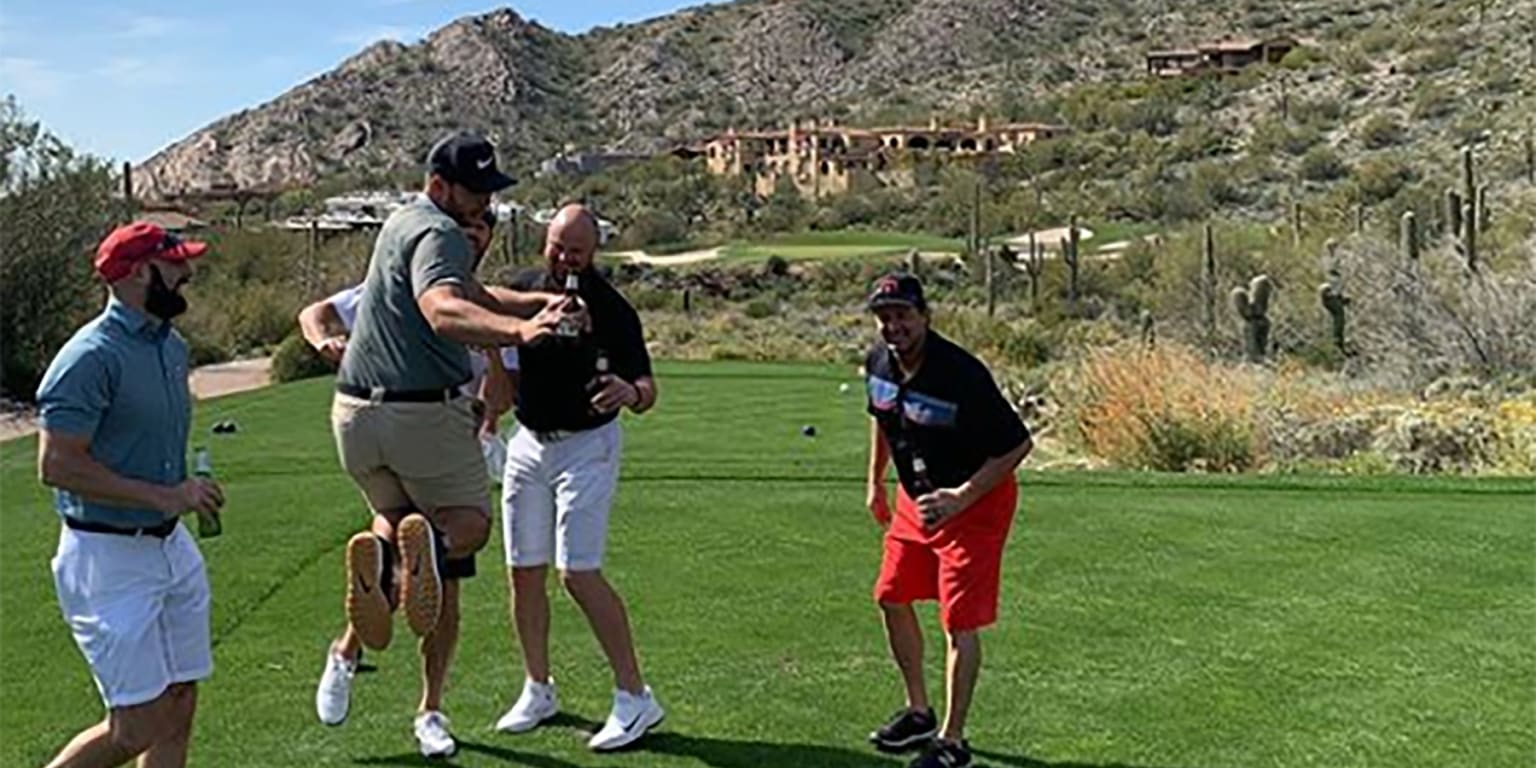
(172, 220)
(826, 159)
(1222, 56)
(369, 209)
(571, 163)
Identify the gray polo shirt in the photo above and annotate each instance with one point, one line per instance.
(392, 346)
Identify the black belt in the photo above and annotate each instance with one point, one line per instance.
(159, 531)
(381, 395)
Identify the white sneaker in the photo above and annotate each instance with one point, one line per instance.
(334, 696)
(537, 704)
(433, 736)
(631, 717)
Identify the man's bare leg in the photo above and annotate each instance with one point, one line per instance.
(610, 623)
(530, 614)
(127, 731)
(961, 671)
(905, 636)
(170, 751)
(437, 650)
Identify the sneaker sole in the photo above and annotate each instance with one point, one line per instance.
(635, 735)
(440, 755)
(905, 744)
(528, 727)
(367, 605)
(421, 589)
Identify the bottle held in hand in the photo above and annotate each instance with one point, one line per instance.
(600, 370)
(921, 483)
(209, 524)
(568, 328)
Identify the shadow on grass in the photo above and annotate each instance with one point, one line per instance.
(509, 756)
(721, 753)
(731, 753)
(985, 757)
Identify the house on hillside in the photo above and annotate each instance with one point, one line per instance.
(1221, 56)
(821, 158)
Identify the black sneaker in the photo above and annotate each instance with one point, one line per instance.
(942, 753)
(905, 730)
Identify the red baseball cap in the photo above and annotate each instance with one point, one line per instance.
(140, 241)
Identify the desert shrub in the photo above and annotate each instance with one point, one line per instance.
(1382, 130)
(1163, 409)
(1380, 178)
(1321, 112)
(1323, 164)
(295, 359)
(758, 309)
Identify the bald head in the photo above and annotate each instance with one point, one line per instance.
(571, 241)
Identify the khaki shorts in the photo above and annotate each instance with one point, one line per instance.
(412, 455)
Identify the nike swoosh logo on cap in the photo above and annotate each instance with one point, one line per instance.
(484, 164)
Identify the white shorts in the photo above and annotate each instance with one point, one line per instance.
(556, 495)
(138, 607)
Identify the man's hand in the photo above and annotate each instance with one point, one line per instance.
(939, 506)
(331, 348)
(576, 312)
(613, 393)
(197, 494)
(878, 505)
(542, 325)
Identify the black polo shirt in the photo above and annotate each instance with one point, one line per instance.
(951, 413)
(555, 376)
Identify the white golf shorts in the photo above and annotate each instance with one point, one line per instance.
(138, 608)
(556, 496)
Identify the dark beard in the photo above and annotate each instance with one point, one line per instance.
(162, 301)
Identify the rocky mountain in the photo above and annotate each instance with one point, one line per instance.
(757, 63)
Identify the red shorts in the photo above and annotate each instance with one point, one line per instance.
(960, 564)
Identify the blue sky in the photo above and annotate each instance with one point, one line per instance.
(124, 79)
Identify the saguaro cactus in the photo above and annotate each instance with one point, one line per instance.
(1252, 305)
(1148, 328)
(1530, 144)
(1469, 233)
(1408, 239)
(1208, 283)
(1452, 213)
(1336, 303)
(1070, 256)
(1296, 224)
(1034, 264)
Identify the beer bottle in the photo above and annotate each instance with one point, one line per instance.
(921, 483)
(568, 327)
(208, 523)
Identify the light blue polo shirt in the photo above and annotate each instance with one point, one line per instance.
(122, 382)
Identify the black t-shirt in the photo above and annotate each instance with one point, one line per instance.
(951, 413)
(555, 379)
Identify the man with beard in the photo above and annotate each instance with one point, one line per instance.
(562, 472)
(327, 323)
(115, 413)
(404, 430)
(939, 415)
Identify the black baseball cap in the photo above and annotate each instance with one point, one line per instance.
(898, 290)
(469, 160)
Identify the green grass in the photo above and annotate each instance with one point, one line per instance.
(841, 244)
(1148, 621)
